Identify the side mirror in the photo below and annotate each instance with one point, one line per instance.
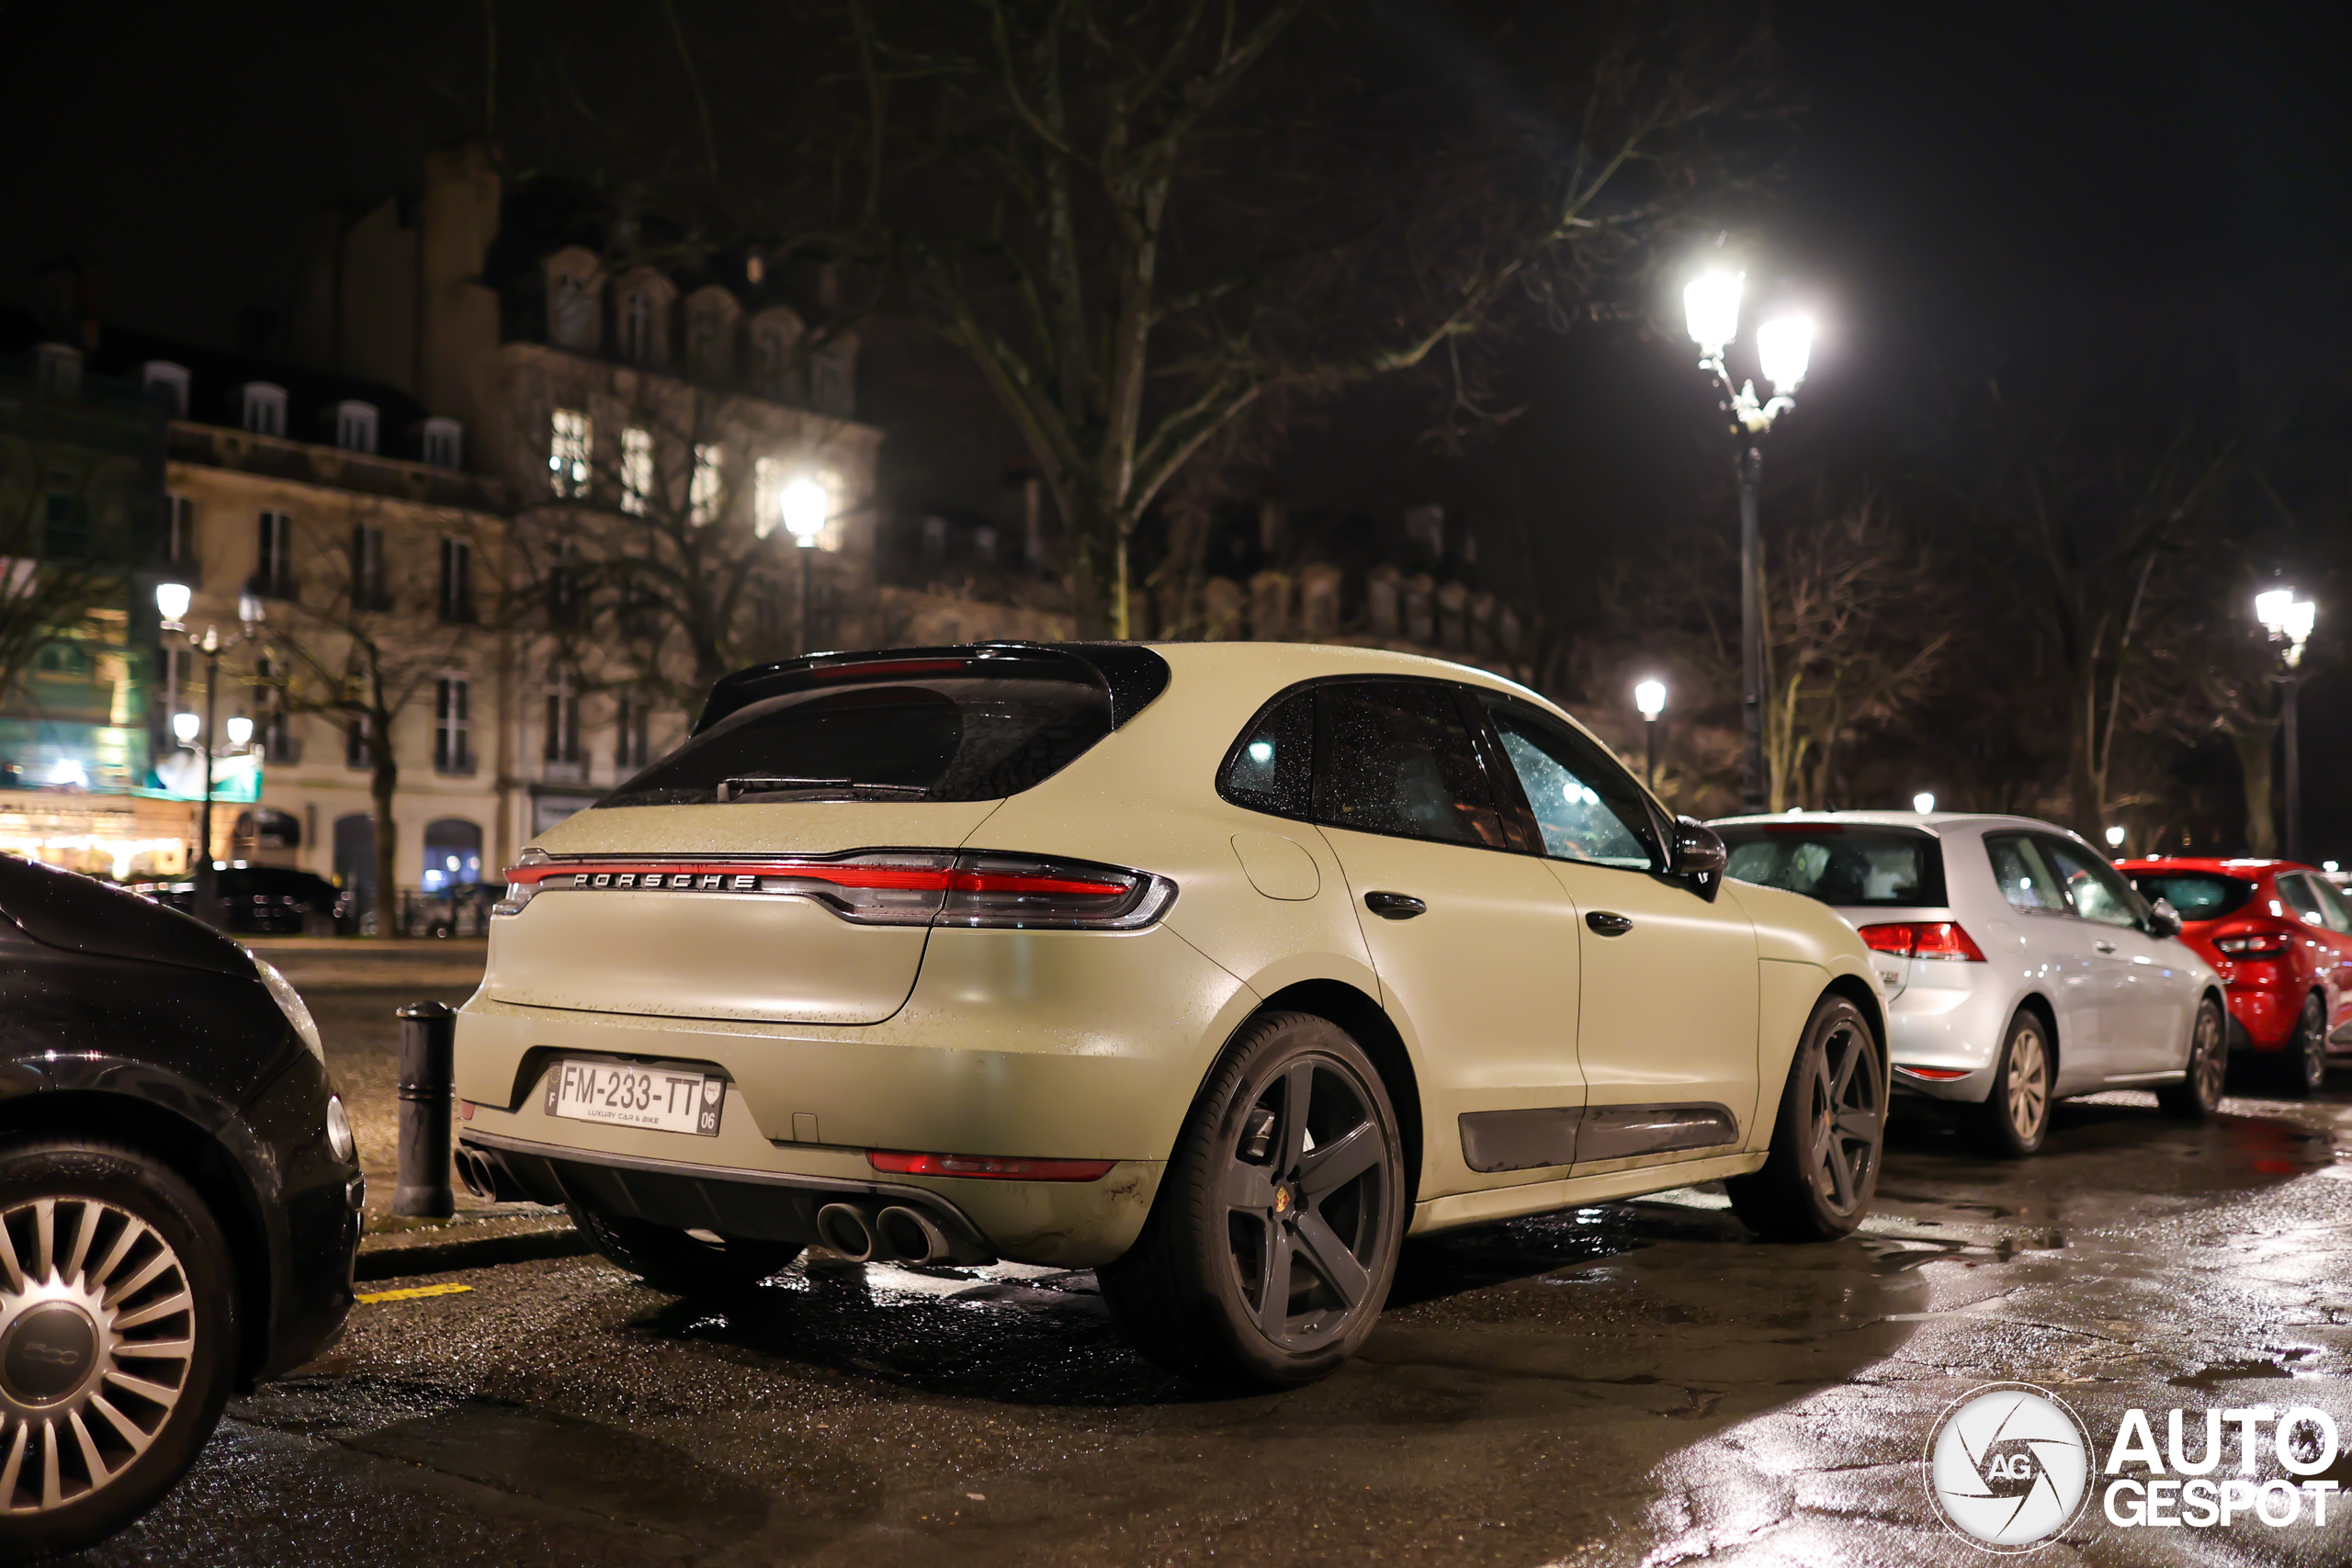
(1698, 856)
(2163, 919)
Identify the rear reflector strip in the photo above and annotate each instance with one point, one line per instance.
(1935, 1075)
(988, 1167)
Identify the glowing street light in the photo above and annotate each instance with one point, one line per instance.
(241, 729)
(2115, 835)
(172, 602)
(1784, 350)
(1923, 803)
(2290, 622)
(1649, 697)
(185, 726)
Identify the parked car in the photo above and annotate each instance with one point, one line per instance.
(2019, 967)
(263, 900)
(179, 1198)
(2280, 936)
(1214, 966)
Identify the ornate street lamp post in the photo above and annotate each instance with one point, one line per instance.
(807, 506)
(171, 601)
(2289, 621)
(1649, 697)
(1784, 347)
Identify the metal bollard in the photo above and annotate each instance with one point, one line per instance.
(428, 1035)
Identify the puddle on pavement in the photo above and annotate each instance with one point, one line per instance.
(2212, 1378)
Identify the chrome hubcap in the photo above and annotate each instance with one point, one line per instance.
(2028, 1084)
(97, 1335)
(1849, 1096)
(1307, 1192)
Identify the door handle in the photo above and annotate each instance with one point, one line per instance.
(2104, 946)
(1606, 923)
(1395, 905)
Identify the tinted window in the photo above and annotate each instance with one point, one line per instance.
(2096, 888)
(2197, 894)
(1271, 766)
(2026, 879)
(1858, 867)
(1396, 757)
(1584, 807)
(2297, 891)
(950, 737)
(2332, 908)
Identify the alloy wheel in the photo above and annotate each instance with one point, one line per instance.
(1307, 1189)
(97, 1324)
(2208, 1061)
(2028, 1084)
(1849, 1099)
(2311, 1045)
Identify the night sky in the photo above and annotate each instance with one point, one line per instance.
(1968, 176)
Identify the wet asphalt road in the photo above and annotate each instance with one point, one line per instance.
(1637, 1383)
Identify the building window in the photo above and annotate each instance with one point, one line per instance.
(445, 443)
(707, 493)
(274, 570)
(354, 426)
(457, 582)
(275, 732)
(831, 385)
(709, 339)
(66, 531)
(167, 383)
(775, 341)
(452, 853)
(60, 370)
(574, 302)
(356, 753)
(453, 725)
(628, 745)
(641, 339)
(369, 590)
(265, 409)
(563, 722)
(934, 537)
(179, 532)
(569, 446)
(637, 468)
(563, 584)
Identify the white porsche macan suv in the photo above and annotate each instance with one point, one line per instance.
(2019, 966)
(1215, 967)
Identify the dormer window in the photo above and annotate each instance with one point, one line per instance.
(575, 300)
(265, 409)
(59, 367)
(636, 328)
(167, 383)
(833, 383)
(445, 443)
(645, 297)
(710, 334)
(775, 344)
(354, 425)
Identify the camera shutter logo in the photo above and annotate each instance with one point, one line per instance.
(2008, 1466)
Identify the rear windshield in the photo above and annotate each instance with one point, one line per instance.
(917, 738)
(1851, 867)
(2198, 895)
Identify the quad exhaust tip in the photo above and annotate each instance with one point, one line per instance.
(895, 1235)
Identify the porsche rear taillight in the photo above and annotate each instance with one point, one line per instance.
(886, 887)
(1922, 939)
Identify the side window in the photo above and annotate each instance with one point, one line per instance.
(2332, 908)
(2097, 891)
(2297, 891)
(2026, 879)
(1396, 757)
(1272, 768)
(1584, 806)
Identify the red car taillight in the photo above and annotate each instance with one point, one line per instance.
(1926, 939)
(2253, 944)
(887, 887)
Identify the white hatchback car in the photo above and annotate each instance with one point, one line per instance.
(2019, 965)
(1214, 966)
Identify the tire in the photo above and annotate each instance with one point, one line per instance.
(1828, 1136)
(679, 1261)
(120, 1224)
(2194, 1098)
(2301, 1068)
(1249, 1215)
(2014, 1120)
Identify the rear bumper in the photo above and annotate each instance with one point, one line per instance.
(2264, 1016)
(1947, 1029)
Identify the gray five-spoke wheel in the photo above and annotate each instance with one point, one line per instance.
(2208, 1061)
(1306, 1190)
(97, 1323)
(1847, 1097)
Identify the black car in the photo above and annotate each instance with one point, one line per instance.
(263, 899)
(179, 1198)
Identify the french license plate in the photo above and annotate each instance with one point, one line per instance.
(626, 1096)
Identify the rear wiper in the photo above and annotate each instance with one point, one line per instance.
(747, 785)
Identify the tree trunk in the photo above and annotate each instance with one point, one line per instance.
(1093, 614)
(2084, 807)
(383, 780)
(2253, 745)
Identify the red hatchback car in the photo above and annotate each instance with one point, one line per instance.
(2280, 936)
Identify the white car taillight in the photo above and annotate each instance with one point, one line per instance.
(886, 887)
